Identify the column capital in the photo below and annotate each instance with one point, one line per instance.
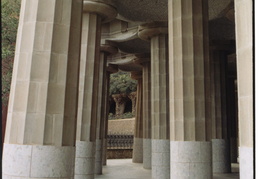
(106, 11)
(142, 59)
(148, 30)
(108, 49)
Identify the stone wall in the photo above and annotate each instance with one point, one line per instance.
(120, 126)
(119, 153)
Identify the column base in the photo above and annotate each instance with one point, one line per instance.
(85, 160)
(160, 159)
(191, 159)
(98, 158)
(138, 150)
(246, 167)
(147, 149)
(38, 161)
(233, 150)
(220, 156)
(104, 154)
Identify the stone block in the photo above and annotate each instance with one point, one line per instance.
(16, 160)
(246, 162)
(51, 161)
(191, 159)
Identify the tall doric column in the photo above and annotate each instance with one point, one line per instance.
(191, 153)
(101, 107)
(94, 13)
(40, 132)
(147, 144)
(244, 47)
(220, 143)
(232, 109)
(105, 117)
(109, 70)
(156, 33)
(138, 133)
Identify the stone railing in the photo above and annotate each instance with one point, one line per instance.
(120, 141)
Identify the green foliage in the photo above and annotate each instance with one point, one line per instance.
(121, 82)
(10, 19)
(128, 115)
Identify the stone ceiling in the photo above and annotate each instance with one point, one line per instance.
(142, 10)
(156, 10)
(221, 24)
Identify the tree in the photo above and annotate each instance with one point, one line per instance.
(121, 82)
(10, 19)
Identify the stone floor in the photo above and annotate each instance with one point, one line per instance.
(125, 169)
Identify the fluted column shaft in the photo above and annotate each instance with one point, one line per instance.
(187, 55)
(160, 107)
(88, 96)
(138, 133)
(40, 132)
(89, 87)
(105, 116)
(147, 147)
(100, 113)
(232, 111)
(220, 142)
(105, 51)
(244, 48)
(157, 34)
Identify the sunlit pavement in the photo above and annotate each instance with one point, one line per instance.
(125, 169)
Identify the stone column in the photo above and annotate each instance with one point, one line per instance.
(233, 120)
(132, 96)
(94, 13)
(156, 33)
(109, 70)
(220, 143)
(101, 107)
(100, 115)
(232, 109)
(191, 152)
(138, 133)
(40, 131)
(147, 144)
(244, 47)
(105, 116)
